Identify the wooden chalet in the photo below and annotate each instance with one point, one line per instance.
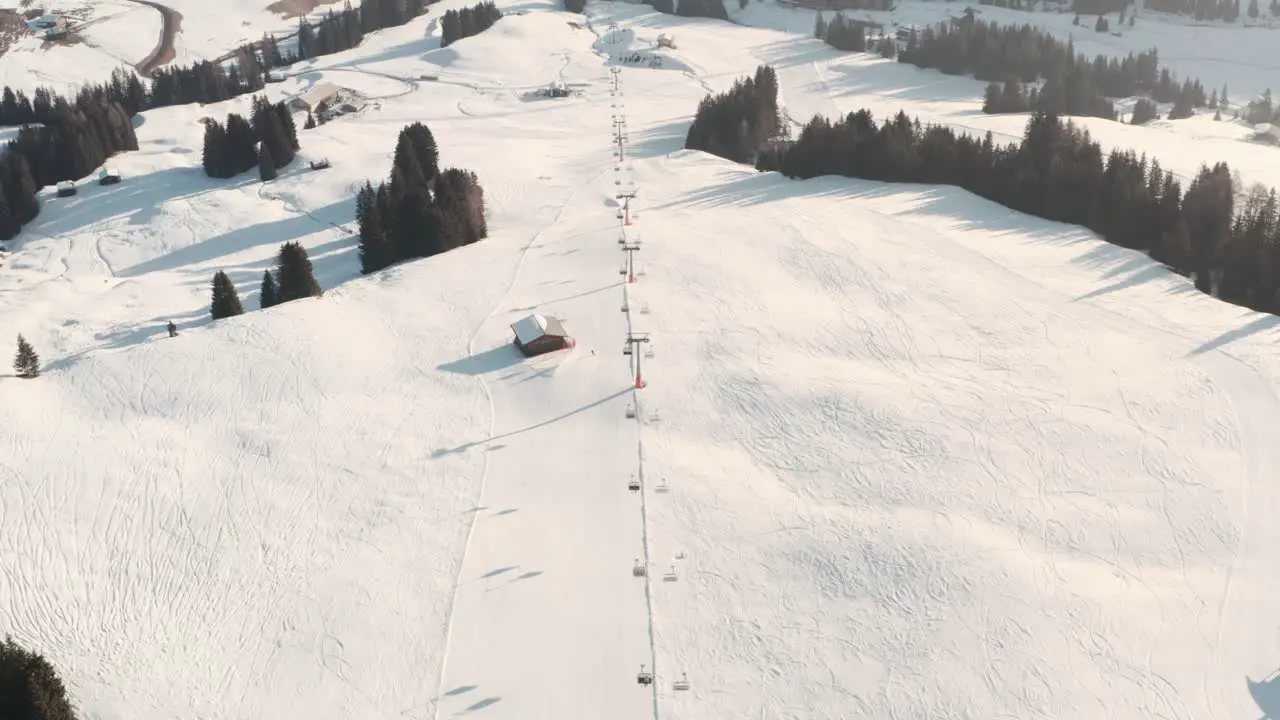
(540, 334)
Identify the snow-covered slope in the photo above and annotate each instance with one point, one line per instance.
(925, 457)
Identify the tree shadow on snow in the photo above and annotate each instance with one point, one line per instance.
(275, 233)
(659, 140)
(902, 81)
(796, 51)
(1258, 324)
(125, 336)
(1266, 695)
(139, 199)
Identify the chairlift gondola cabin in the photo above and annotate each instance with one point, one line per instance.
(108, 176)
(66, 188)
(540, 334)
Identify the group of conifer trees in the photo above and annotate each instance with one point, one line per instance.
(74, 139)
(202, 82)
(30, 688)
(737, 123)
(1056, 172)
(458, 24)
(1009, 56)
(293, 279)
(341, 29)
(269, 141)
(692, 8)
(422, 211)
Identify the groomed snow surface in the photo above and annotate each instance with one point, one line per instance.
(926, 457)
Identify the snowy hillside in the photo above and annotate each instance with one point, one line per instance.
(922, 456)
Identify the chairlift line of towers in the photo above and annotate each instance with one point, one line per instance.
(625, 193)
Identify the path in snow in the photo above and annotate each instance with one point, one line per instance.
(548, 620)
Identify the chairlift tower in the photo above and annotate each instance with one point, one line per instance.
(615, 83)
(634, 340)
(625, 214)
(629, 268)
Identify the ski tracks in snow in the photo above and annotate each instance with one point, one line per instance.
(488, 393)
(1240, 647)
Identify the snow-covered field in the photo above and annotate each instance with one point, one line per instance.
(925, 457)
(112, 33)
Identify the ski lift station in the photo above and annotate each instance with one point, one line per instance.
(540, 334)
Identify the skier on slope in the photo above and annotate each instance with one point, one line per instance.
(173, 329)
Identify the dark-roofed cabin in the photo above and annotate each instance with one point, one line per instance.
(540, 334)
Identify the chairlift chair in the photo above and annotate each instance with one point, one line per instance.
(633, 485)
(662, 486)
(648, 350)
(644, 678)
(638, 569)
(625, 308)
(631, 411)
(670, 575)
(644, 309)
(682, 683)
(626, 349)
(654, 416)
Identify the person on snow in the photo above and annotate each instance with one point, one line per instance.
(173, 329)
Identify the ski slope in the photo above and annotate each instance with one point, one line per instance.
(925, 457)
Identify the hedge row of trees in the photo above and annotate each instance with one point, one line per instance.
(341, 30)
(737, 123)
(268, 141)
(1073, 85)
(422, 211)
(1056, 172)
(459, 24)
(293, 279)
(692, 8)
(202, 82)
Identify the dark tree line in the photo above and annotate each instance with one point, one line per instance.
(458, 24)
(1010, 57)
(691, 8)
(30, 688)
(422, 211)
(202, 82)
(341, 30)
(1057, 172)
(294, 279)
(575, 6)
(73, 141)
(737, 123)
(268, 140)
(1227, 10)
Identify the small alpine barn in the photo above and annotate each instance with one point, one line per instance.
(540, 334)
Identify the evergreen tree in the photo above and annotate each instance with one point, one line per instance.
(268, 295)
(294, 276)
(286, 122)
(266, 166)
(9, 225)
(1144, 111)
(26, 363)
(30, 688)
(1253, 9)
(226, 303)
